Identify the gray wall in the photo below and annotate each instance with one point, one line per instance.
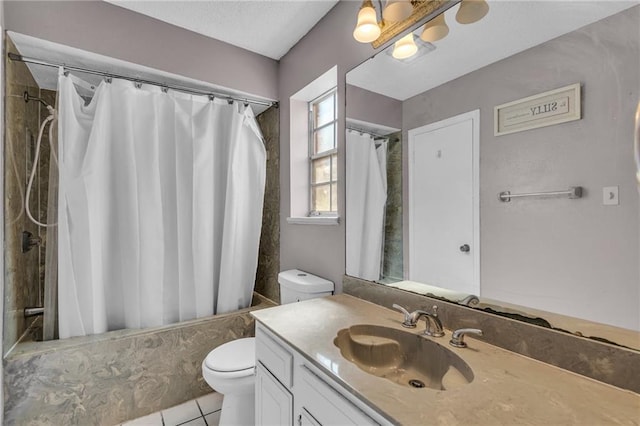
(103, 28)
(582, 256)
(317, 249)
(373, 107)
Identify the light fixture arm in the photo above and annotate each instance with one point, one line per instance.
(381, 18)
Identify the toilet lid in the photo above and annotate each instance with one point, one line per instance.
(233, 356)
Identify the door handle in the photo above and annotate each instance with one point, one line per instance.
(465, 248)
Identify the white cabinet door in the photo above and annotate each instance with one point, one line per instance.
(322, 404)
(274, 403)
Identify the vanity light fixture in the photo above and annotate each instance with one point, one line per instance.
(405, 47)
(367, 28)
(399, 16)
(471, 11)
(397, 10)
(436, 29)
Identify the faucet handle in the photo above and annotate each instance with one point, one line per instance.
(408, 322)
(457, 337)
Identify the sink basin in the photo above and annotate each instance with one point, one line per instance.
(404, 358)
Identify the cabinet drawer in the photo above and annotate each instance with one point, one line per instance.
(324, 404)
(274, 357)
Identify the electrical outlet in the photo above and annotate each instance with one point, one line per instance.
(610, 196)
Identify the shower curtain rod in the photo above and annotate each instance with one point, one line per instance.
(361, 131)
(28, 60)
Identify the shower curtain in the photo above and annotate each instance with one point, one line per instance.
(366, 201)
(160, 207)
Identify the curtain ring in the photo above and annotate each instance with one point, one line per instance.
(211, 98)
(246, 104)
(65, 72)
(138, 85)
(164, 89)
(108, 79)
(230, 101)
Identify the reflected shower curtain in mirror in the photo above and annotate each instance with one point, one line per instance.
(366, 199)
(160, 207)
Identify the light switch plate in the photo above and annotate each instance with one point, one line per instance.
(610, 196)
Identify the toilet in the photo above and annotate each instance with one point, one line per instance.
(230, 368)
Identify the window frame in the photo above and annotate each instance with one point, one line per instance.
(329, 154)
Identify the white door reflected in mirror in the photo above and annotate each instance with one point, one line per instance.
(443, 204)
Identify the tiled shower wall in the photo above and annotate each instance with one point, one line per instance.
(269, 257)
(24, 272)
(392, 263)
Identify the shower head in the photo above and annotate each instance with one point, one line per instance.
(27, 97)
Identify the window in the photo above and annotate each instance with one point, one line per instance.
(312, 152)
(323, 155)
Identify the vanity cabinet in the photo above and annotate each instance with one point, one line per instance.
(292, 391)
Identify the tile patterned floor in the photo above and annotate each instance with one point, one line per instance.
(203, 411)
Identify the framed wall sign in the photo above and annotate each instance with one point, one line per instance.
(545, 109)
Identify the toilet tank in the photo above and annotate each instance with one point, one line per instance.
(297, 285)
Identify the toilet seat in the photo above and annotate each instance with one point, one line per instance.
(233, 359)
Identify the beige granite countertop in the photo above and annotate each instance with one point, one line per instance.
(507, 389)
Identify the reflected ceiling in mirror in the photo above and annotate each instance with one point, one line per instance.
(574, 263)
(509, 27)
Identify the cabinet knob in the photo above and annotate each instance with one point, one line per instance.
(465, 248)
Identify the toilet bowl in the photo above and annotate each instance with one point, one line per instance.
(230, 368)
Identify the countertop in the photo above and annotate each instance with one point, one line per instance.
(507, 389)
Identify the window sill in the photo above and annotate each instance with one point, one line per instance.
(314, 220)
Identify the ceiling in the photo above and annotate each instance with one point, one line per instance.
(267, 27)
(509, 27)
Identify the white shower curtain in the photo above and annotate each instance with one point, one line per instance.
(366, 201)
(160, 207)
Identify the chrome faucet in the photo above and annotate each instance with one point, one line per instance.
(433, 324)
(457, 338)
(410, 318)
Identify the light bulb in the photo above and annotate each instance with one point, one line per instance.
(405, 47)
(397, 10)
(367, 29)
(471, 11)
(435, 30)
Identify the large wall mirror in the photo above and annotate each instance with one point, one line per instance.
(494, 168)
